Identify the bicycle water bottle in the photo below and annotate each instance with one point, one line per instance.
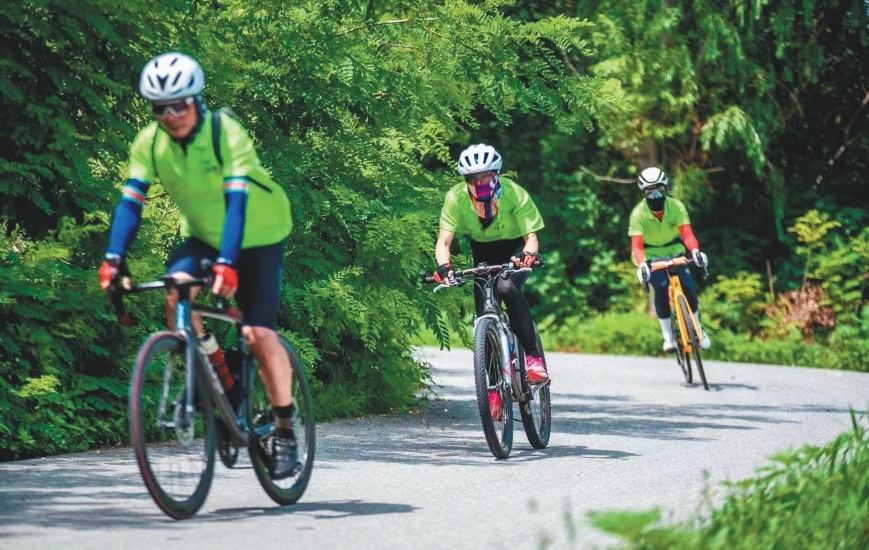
(217, 360)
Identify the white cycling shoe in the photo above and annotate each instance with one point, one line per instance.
(669, 345)
(705, 342)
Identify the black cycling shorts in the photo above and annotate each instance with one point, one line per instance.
(259, 269)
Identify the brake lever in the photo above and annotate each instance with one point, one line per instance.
(116, 297)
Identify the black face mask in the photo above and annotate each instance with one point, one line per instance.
(655, 201)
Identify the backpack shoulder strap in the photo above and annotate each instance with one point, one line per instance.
(153, 152)
(215, 131)
(215, 135)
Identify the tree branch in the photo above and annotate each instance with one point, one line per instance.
(846, 140)
(391, 22)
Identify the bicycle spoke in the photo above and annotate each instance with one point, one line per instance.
(174, 445)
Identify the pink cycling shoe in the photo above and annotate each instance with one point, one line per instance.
(535, 369)
(495, 404)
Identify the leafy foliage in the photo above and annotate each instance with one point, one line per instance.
(358, 109)
(806, 498)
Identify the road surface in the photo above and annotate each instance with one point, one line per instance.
(627, 434)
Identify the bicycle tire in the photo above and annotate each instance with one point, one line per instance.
(682, 358)
(694, 339)
(227, 452)
(488, 374)
(177, 466)
(537, 414)
(289, 490)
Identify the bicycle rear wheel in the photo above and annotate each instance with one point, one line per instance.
(681, 357)
(497, 425)
(288, 490)
(693, 338)
(537, 413)
(176, 460)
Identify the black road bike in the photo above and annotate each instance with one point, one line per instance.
(499, 365)
(179, 411)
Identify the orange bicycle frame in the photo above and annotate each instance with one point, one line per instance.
(675, 290)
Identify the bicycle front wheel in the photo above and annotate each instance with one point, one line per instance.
(494, 392)
(681, 357)
(288, 490)
(174, 443)
(693, 338)
(537, 413)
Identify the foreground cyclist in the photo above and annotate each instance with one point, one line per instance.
(234, 215)
(659, 227)
(502, 222)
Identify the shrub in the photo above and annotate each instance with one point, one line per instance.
(814, 497)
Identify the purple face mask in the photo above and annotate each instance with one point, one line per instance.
(483, 191)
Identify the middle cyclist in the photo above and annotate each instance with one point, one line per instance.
(502, 222)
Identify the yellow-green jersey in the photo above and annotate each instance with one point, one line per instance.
(229, 205)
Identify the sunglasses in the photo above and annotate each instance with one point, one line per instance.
(176, 109)
(649, 190)
(482, 177)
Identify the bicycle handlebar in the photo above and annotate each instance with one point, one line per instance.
(482, 270)
(660, 264)
(117, 291)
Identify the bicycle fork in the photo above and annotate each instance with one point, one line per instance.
(675, 285)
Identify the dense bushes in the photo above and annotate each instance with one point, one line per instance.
(814, 497)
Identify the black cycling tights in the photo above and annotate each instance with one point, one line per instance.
(510, 290)
(518, 310)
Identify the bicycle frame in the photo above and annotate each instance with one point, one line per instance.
(675, 290)
(197, 364)
(522, 392)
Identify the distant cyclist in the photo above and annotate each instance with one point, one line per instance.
(659, 227)
(233, 214)
(502, 222)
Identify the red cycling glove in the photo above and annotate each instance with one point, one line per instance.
(225, 278)
(111, 268)
(443, 272)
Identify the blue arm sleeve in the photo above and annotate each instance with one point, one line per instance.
(127, 217)
(235, 195)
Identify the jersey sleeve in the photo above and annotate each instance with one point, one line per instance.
(239, 160)
(681, 214)
(527, 215)
(449, 214)
(239, 155)
(141, 163)
(635, 225)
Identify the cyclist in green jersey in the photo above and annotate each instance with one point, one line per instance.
(659, 227)
(502, 222)
(233, 214)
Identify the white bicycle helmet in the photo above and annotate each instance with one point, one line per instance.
(171, 76)
(479, 158)
(650, 177)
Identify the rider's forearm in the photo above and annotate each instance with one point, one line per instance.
(235, 195)
(442, 248)
(532, 245)
(688, 238)
(128, 215)
(638, 249)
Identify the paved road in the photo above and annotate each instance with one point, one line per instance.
(627, 434)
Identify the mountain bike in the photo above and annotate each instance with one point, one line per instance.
(686, 330)
(179, 411)
(499, 365)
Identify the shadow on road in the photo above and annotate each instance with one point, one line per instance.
(447, 431)
(80, 491)
(318, 510)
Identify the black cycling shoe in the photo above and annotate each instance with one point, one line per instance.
(285, 458)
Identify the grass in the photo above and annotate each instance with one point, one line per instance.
(813, 497)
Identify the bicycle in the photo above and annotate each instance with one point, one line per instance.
(499, 364)
(177, 403)
(686, 330)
